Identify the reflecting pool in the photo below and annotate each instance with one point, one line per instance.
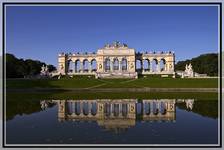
(114, 121)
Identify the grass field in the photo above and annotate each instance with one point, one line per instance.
(113, 83)
(111, 95)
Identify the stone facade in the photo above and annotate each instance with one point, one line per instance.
(115, 61)
(117, 113)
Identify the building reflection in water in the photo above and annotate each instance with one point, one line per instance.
(120, 114)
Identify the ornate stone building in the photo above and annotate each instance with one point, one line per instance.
(116, 114)
(116, 60)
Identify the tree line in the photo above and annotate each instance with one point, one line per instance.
(20, 68)
(203, 64)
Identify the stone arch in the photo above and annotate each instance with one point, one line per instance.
(124, 108)
(155, 109)
(139, 65)
(124, 64)
(85, 108)
(146, 64)
(85, 65)
(163, 108)
(94, 108)
(107, 64)
(162, 64)
(154, 64)
(107, 109)
(93, 65)
(71, 66)
(139, 108)
(77, 108)
(116, 110)
(147, 108)
(69, 108)
(77, 65)
(115, 64)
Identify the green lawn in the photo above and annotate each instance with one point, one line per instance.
(113, 83)
(14, 96)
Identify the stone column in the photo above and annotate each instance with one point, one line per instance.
(81, 109)
(90, 67)
(158, 67)
(81, 66)
(165, 67)
(111, 109)
(89, 107)
(150, 67)
(119, 66)
(111, 66)
(141, 65)
(151, 107)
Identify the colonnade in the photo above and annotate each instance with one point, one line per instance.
(111, 65)
(82, 66)
(154, 65)
(112, 109)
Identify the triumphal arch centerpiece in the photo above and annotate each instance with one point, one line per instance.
(116, 61)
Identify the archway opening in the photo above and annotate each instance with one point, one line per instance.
(85, 108)
(146, 65)
(147, 108)
(163, 108)
(162, 64)
(124, 110)
(124, 64)
(107, 64)
(138, 65)
(94, 65)
(154, 65)
(70, 66)
(69, 108)
(107, 109)
(77, 108)
(116, 64)
(155, 108)
(94, 108)
(77, 66)
(85, 65)
(116, 110)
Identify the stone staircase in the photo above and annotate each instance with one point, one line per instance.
(117, 75)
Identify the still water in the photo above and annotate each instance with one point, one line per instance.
(111, 121)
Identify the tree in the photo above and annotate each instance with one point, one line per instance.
(203, 64)
(19, 68)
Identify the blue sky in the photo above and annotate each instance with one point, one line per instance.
(41, 32)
